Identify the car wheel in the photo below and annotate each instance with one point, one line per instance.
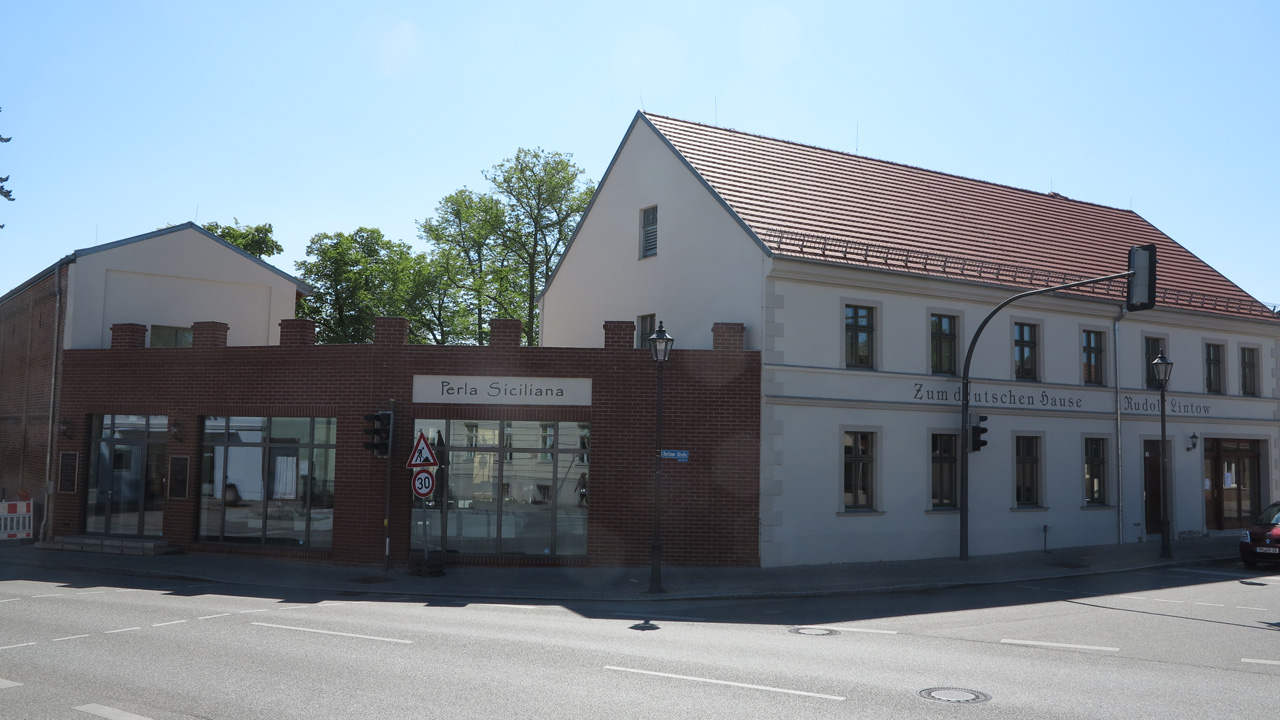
(1249, 562)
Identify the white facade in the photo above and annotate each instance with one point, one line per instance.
(174, 278)
(709, 267)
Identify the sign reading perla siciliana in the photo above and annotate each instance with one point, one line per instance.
(489, 390)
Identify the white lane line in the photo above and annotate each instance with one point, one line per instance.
(1130, 597)
(109, 713)
(1211, 604)
(1058, 645)
(53, 595)
(515, 607)
(8, 684)
(1242, 607)
(206, 617)
(331, 604)
(1164, 600)
(294, 607)
(171, 622)
(93, 592)
(10, 599)
(258, 610)
(850, 629)
(108, 632)
(330, 632)
(643, 616)
(1260, 662)
(69, 637)
(724, 682)
(1033, 587)
(10, 647)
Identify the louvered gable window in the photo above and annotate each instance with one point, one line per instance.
(649, 232)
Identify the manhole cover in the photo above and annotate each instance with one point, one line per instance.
(954, 695)
(813, 631)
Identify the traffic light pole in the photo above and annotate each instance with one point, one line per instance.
(964, 397)
(386, 516)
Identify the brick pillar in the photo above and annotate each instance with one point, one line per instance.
(390, 331)
(296, 332)
(728, 336)
(505, 332)
(619, 335)
(128, 335)
(208, 334)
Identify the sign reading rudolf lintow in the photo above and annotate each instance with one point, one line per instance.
(489, 390)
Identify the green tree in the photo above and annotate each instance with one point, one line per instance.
(358, 277)
(256, 240)
(5, 192)
(497, 250)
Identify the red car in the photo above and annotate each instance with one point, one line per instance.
(1261, 543)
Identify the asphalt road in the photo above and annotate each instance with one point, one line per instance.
(1177, 643)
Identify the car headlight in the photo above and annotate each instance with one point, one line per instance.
(1244, 536)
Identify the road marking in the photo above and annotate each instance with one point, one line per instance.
(1130, 597)
(643, 616)
(1059, 645)
(10, 647)
(1242, 607)
(69, 637)
(294, 607)
(93, 592)
(258, 610)
(851, 629)
(1033, 587)
(1164, 600)
(330, 632)
(1211, 604)
(109, 713)
(206, 617)
(1260, 662)
(10, 599)
(171, 622)
(724, 682)
(517, 607)
(8, 684)
(108, 632)
(53, 595)
(331, 604)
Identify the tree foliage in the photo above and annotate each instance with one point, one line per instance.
(5, 192)
(496, 250)
(256, 240)
(360, 276)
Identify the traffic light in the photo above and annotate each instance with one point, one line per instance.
(380, 431)
(1141, 293)
(976, 431)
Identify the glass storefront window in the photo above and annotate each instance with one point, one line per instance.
(127, 475)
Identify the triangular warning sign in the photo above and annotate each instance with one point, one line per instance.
(422, 456)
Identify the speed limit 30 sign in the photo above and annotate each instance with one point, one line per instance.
(424, 483)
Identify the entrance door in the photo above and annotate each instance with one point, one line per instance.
(1153, 491)
(127, 481)
(1233, 495)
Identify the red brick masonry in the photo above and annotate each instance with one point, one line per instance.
(711, 409)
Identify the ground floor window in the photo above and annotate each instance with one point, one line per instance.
(1095, 471)
(1027, 486)
(858, 465)
(513, 487)
(268, 481)
(128, 466)
(944, 472)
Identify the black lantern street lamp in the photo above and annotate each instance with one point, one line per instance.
(1162, 368)
(660, 346)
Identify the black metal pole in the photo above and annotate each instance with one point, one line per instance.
(655, 569)
(386, 515)
(1166, 551)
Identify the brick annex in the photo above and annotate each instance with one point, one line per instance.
(710, 504)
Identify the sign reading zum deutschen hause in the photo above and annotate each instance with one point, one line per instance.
(490, 390)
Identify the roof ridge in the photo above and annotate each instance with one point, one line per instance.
(1049, 195)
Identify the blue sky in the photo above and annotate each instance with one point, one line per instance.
(323, 117)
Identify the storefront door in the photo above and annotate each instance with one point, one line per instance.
(127, 477)
(1153, 491)
(1232, 493)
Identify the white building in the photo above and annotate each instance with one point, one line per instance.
(862, 283)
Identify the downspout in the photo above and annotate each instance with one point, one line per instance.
(53, 394)
(1115, 373)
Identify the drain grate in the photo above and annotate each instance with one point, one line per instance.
(813, 631)
(954, 695)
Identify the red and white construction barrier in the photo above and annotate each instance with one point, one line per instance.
(15, 520)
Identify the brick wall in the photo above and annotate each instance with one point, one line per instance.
(711, 409)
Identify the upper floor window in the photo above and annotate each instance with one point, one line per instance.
(1091, 356)
(858, 489)
(942, 344)
(1152, 348)
(1213, 368)
(1249, 371)
(649, 232)
(646, 326)
(859, 334)
(170, 337)
(1024, 352)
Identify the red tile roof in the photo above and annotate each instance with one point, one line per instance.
(815, 204)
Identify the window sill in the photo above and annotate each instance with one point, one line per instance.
(942, 511)
(1028, 508)
(859, 513)
(1097, 506)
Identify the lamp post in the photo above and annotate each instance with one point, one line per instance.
(660, 347)
(1162, 368)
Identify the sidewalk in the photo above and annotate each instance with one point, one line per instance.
(631, 583)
